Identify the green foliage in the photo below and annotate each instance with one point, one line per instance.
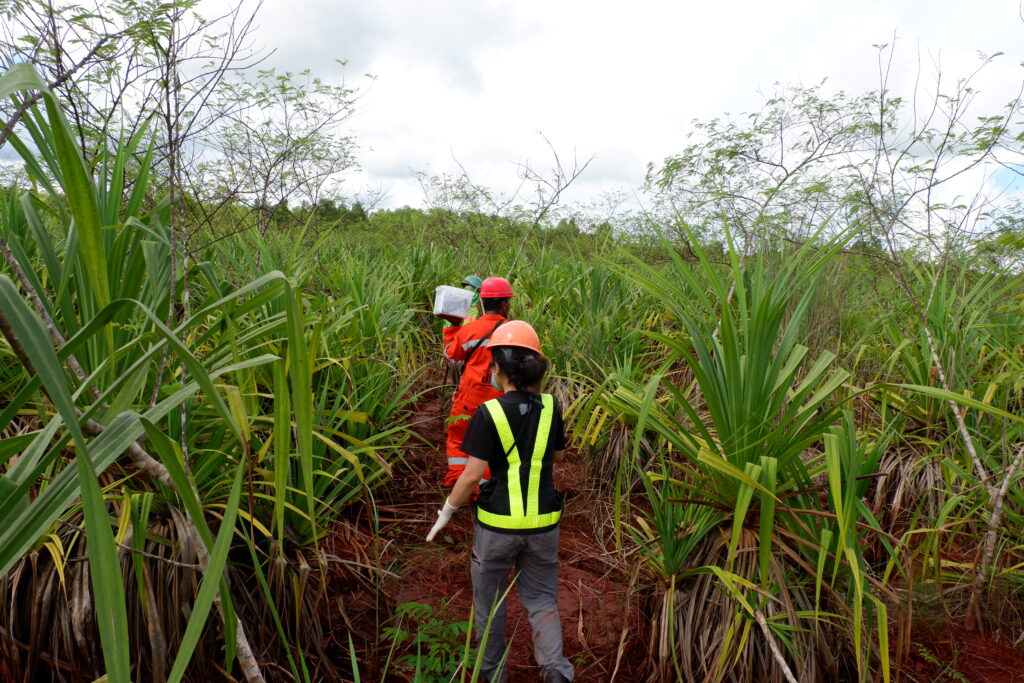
(280, 143)
(248, 373)
(733, 489)
(433, 651)
(767, 418)
(808, 159)
(771, 172)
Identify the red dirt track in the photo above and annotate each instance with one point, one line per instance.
(598, 611)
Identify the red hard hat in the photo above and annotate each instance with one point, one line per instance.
(515, 333)
(495, 288)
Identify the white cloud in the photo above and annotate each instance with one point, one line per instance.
(475, 79)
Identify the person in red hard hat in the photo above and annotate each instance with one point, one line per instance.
(468, 343)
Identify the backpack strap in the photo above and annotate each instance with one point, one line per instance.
(481, 341)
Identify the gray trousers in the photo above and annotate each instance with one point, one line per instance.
(535, 558)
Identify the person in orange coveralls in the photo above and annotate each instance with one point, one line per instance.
(468, 343)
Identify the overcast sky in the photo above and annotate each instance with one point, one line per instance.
(475, 80)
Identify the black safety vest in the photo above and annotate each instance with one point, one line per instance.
(523, 492)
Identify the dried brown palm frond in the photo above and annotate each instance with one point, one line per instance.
(910, 475)
(359, 593)
(605, 457)
(20, 425)
(699, 631)
(295, 579)
(48, 626)
(762, 572)
(566, 392)
(48, 629)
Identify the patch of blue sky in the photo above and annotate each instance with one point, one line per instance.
(1009, 179)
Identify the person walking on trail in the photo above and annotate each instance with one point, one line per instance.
(519, 436)
(468, 343)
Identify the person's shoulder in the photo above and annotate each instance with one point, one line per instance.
(484, 410)
(471, 324)
(545, 398)
(482, 419)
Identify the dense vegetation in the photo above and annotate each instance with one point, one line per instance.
(798, 392)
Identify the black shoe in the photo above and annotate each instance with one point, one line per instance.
(556, 677)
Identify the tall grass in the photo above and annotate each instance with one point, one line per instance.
(271, 451)
(784, 466)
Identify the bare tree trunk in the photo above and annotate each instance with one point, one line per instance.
(979, 468)
(988, 554)
(170, 80)
(172, 120)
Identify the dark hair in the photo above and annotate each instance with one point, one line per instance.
(525, 368)
(492, 305)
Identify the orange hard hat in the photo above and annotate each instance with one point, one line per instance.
(515, 333)
(495, 288)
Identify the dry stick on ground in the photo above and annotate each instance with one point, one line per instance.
(776, 653)
(887, 162)
(995, 495)
(961, 426)
(146, 463)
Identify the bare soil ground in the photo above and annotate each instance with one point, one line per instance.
(955, 654)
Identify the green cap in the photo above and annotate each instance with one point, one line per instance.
(473, 281)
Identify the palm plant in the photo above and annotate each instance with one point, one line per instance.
(755, 512)
(237, 408)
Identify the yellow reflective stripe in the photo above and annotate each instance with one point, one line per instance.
(518, 519)
(515, 491)
(540, 445)
(509, 522)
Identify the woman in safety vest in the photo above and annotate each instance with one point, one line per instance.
(519, 436)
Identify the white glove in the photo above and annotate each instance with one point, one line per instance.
(443, 515)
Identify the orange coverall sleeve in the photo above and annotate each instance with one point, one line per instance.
(452, 344)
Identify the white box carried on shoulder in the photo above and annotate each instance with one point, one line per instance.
(452, 301)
